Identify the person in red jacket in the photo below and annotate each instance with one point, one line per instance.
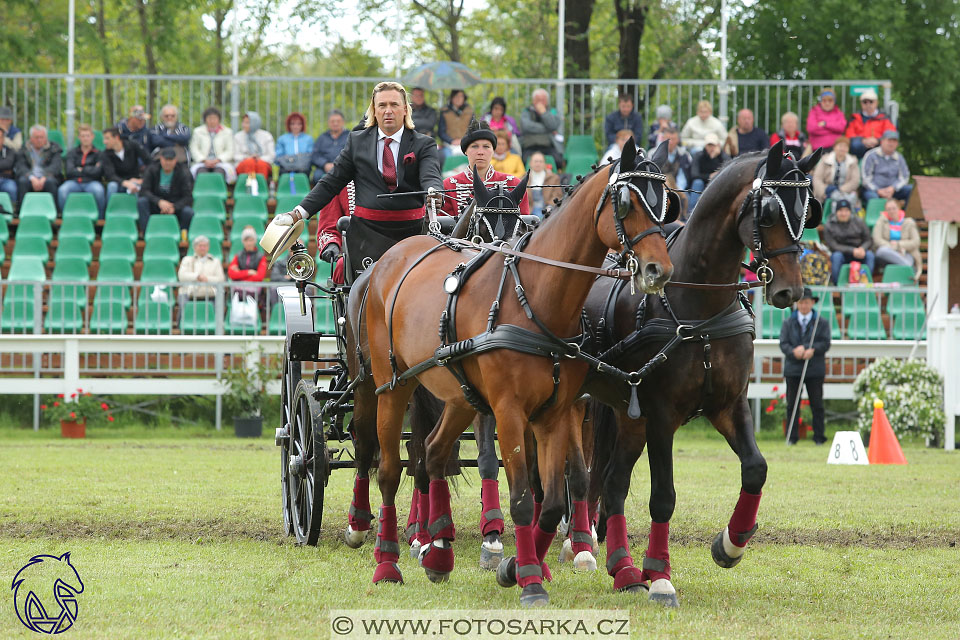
(867, 125)
(329, 240)
(248, 265)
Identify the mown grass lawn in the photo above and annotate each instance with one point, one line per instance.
(177, 534)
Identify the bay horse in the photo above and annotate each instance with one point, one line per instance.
(761, 201)
(515, 366)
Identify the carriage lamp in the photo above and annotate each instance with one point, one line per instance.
(301, 267)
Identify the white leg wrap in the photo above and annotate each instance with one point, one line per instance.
(729, 548)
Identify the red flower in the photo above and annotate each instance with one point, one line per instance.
(110, 418)
(79, 390)
(59, 395)
(88, 394)
(769, 409)
(783, 395)
(73, 415)
(73, 395)
(776, 388)
(103, 405)
(805, 403)
(44, 407)
(56, 404)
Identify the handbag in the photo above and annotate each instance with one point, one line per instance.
(298, 163)
(243, 310)
(159, 294)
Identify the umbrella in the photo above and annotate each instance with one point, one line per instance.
(442, 75)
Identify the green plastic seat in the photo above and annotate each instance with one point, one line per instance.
(38, 203)
(120, 228)
(70, 270)
(158, 270)
(580, 165)
(35, 227)
(241, 187)
(898, 273)
(4, 236)
(874, 211)
(581, 145)
(166, 249)
(198, 318)
(80, 205)
(909, 326)
(27, 269)
(861, 300)
(17, 316)
(300, 184)
(63, 316)
(162, 226)
(248, 206)
(114, 270)
(30, 247)
(122, 205)
(210, 184)
(287, 201)
(206, 226)
(277, 324)
(904, 303)
(259, 223)
(453, 163)
(209, 206)
(828, 310)
(323, 320)
(119, 249)
(98, 140)
(55, 135)
(77, 227)
(243, 329)
(773, 319)
(810, 235)
(866, 324)
(6, 207)
(108, 316)
(153, 318)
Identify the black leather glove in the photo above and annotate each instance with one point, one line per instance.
(330, 252)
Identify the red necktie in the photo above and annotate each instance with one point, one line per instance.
(389, 166)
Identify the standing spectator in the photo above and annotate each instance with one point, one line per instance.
(124, 162)
(134, 127)
(541, 176)
(896, 239)
(837, 175)
(454, 119)
(664, 119)
(825, 122)
(704, 166)
(745, 137)
(248, 265)
(497, 119)
(695, 130)
(616, 149)
(503, 159)
(677, 167)
(167, 190)
(38, 164)
(211, 147)
(542, 127)
(625, 117)
(328, 145)
(848, 239)
(794, 140)
(14, 136)
(424, 116)
(867, 125)
(885, 172)
(8, 160)
(295, 147)
(799, 343)
(199, 270)
(85, 169)
(170, 132)
(253, 147)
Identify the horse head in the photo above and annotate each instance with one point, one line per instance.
(496, 213)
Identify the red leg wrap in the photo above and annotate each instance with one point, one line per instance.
(441, 517)
(491, 518)
(656, 561)
(744, 517)
(423, 517)
(528, 567)
(617, 541)
(542, 541)
(580, 536)
(411, 531)
(360, 515)
(387, 548)
(387, 572)
(537, 506)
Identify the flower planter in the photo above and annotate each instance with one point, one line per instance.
(248, 427)
(802, 429)
(73, 429)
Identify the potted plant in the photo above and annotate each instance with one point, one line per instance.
(245, 391)
(780, 412)
(74, 412)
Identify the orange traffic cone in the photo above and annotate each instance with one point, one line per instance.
(884, 446)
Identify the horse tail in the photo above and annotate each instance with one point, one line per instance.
(425, 412)
(604, 440)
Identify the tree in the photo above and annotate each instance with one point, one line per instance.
(631, 19)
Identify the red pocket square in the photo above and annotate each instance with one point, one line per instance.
(410, 158)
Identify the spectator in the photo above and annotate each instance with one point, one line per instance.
(614, 151)
(896, 239)
(38, 164)
(837, 175)
(253, 147)
(625, 117)
(14, 136)
(664, 119)
(504, 160)
(885, 172)
(211, 147)
(170, 132)
(678, 166)
(868, 125)
(696, 128)
(541, 176)
(199, 270)
(799, 343)
(454, 119)
(794, 140)
(745, 137)
(541, 128)
(498, 119)
(85, 169)
(248, 265)
(825, 122)
(295, 147)
(134, 127)
(8, 160)
(329, 144)
(847, 238)
(124, 163)
(704, 166)
(424, 116)
(167, 190)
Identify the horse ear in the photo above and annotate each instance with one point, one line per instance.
(808, 163)
(480, 193)
(516, 195)
(774, 159)
(815, 214)
(673, 207)
(661, 154)
(628, 156)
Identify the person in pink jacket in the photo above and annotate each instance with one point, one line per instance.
(825, 122)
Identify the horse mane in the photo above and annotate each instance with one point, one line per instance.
(569, 193)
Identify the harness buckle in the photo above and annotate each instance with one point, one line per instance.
(576, 351)
(765, 273)
(634, 379)
(680, 331)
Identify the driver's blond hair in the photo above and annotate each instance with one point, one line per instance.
(371, 114)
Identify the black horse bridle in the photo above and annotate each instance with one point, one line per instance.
(501, 222)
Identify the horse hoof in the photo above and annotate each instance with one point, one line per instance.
(566, 552)
(415, 549)
(507, 572)
(534, 595)
(491, 554)
(721, 550)
(662, 592)
(436, 576)
(354, 539)
(584, 561)
(387, 572)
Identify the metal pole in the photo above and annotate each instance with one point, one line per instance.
(399, 48)
(561, 21)
(71, 111)
(723, 116)
(235, 80)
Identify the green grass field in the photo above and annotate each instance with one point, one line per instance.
(177, 534)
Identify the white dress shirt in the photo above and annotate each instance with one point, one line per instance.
(394, 148)
(804, 320)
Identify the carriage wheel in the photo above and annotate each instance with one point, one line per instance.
(288, 383)
(308, 465)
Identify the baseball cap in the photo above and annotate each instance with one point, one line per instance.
(711, 138)
(890, 134)
(869, 94)
(168, 152)
(6, 113)
(843, 204)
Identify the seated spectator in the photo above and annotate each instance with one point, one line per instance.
(8, 160)
(14, 136)
(295, 147)
(199, 270)
(170, 132)
(837, 175)
(848, 239)
(704, 166)
(424, 116)
(896, 239)
(134, 127)
(249, 265)
(539, 193)
(38, 165)
(867, 125)
(614, 151)
(167, 190)
(85, 169)
(794, 140)
(124, 162)
(211, 147)
(253, 147)
(454, 119)
(825, 122)
(745, 137)
(678, 166)
(696, 128)
(885, 172)
(542, 128)
(328, 145)
(664, 119)
(498, 119)
(625, 117)
(504, 160)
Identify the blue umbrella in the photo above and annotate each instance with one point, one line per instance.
(442, 75)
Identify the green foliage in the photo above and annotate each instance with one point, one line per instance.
(912, 394)
(245, 384)
(79, 406)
